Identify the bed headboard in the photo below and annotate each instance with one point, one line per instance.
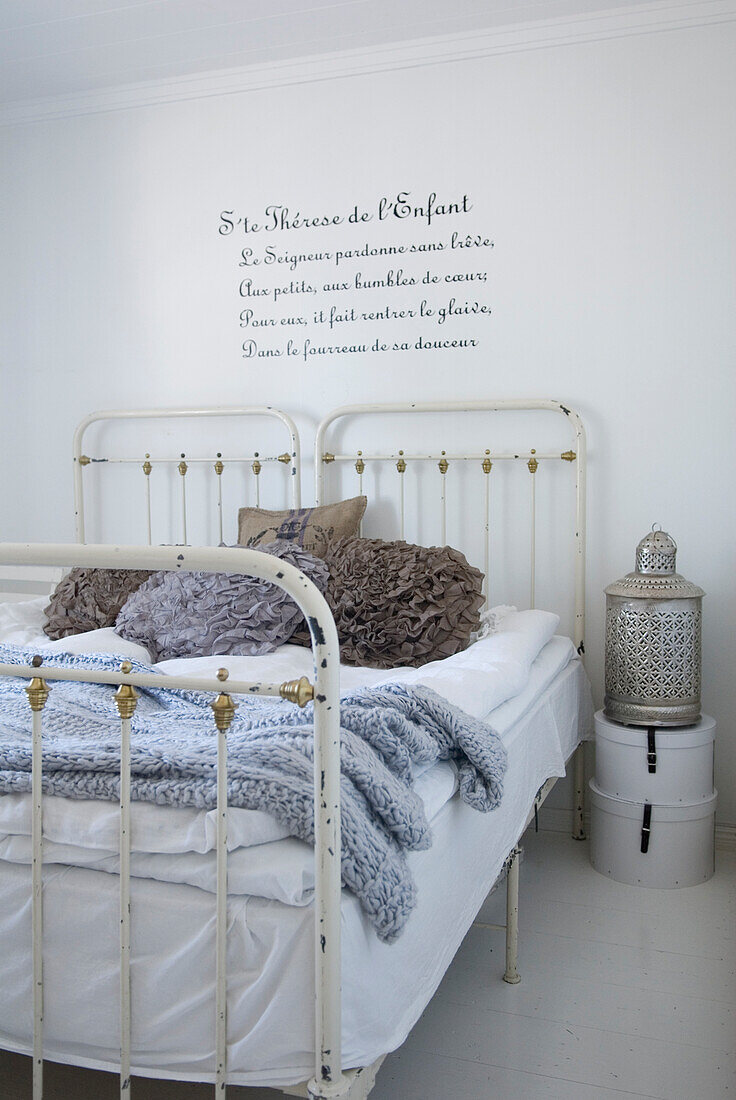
(208, 473)
(475, 480)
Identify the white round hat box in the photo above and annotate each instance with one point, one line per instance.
(667, 766)
(678, 841)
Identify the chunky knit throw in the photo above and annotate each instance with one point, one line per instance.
(385, 733)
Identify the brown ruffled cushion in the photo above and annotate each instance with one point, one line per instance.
(87, 599)
(399, 604)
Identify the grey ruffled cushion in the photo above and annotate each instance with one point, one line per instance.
(88, 599)
(196, 614)
(398, 604)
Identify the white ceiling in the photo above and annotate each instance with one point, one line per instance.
(71, 47)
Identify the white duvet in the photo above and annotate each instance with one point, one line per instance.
(172, 843)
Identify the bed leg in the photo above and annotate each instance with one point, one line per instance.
(512, 975)
(578, 828)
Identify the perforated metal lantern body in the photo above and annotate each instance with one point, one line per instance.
(653, 640)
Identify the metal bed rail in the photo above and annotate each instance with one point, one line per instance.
(324, 692)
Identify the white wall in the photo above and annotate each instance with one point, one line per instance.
(604, 173)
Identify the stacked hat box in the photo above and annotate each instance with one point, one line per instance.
(652, 799)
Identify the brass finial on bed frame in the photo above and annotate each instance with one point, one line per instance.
(299, 691)
(533, 464)
(223, 709)
(126, 697)
(38, 690)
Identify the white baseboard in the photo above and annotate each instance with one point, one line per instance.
(726, 838)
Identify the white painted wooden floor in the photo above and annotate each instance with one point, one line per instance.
(624, 992)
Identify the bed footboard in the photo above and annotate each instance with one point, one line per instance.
(328, 1080)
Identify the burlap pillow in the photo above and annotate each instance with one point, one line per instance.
(87, 599)
(310, 528)
(398, 604)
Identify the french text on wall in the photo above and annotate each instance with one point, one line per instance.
(403, 274)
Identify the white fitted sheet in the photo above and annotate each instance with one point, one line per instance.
(270, 951)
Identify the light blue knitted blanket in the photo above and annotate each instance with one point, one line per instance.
(386, 733)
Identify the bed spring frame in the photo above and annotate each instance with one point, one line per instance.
(329, 1080)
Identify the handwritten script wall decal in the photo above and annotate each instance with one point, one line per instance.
(332, 294)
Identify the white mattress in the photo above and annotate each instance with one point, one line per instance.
(270, 993)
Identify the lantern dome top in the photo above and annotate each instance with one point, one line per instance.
(655, 576)
(656, 552)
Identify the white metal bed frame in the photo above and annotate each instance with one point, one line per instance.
(329, 1080)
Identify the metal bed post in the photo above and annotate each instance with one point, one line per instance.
(533, 465)
(147, 468)
(223, 709)
(126, 700)
(183, 472)
(511, 974)
(360, 470)
(401, 469)
(38, 694)
(580, 458)
(443, 466)
(487, 466)
(218, 467)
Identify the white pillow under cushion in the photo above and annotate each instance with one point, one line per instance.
(104, 640)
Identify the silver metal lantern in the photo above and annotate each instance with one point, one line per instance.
(653, 648)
